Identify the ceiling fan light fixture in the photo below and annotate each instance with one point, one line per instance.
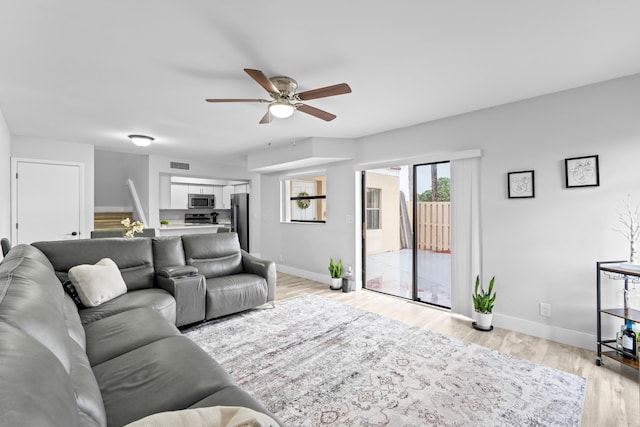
(281, 109)
(141, 140)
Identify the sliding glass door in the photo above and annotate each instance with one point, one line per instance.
(406, 232)
(432, 212)
(387, 231)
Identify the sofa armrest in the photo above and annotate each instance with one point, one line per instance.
(178, 271)
(261, 267)
(189, 293)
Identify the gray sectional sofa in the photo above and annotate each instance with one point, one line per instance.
(124, 359)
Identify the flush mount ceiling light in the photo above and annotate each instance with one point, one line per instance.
(141, 140)
(281, 109)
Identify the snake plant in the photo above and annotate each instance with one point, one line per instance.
(483, 301)
(335, 269)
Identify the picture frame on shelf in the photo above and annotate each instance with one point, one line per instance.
(582, 171)
(521, 185)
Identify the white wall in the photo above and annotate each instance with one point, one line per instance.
(48, 149)
(111, 191)
(305, 248)
(5, 179)
(111, 173)
(540, 250)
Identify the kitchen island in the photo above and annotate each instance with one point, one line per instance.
(179, 229)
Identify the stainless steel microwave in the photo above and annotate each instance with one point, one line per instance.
(202, 201)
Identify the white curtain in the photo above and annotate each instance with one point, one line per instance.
(466, 242)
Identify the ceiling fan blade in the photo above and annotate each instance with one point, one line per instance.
(266, 118)
(316, 112)
(262, 80)
(334, 90)
(236, 100)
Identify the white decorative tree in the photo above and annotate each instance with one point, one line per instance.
(630, 219)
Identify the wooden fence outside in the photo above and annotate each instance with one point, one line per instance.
(433, 229)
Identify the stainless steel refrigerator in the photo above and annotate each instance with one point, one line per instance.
(240, 218)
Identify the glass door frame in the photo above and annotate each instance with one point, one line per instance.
(363, 208)
(415, 235)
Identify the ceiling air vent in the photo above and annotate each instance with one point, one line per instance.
(178, 165)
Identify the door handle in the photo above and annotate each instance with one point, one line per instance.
(74, 233)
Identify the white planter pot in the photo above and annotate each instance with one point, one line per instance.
(483, 320)
(336, 284)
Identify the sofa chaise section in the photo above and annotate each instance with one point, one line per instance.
(45, 372)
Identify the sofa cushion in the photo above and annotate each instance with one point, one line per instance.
(133, 257)
(174, 370)
(97, 283)
(234, 293)
(115, 335)
(31, 299)
(28, 251)
(36, 389)
(74, 324)
(158, 299)
(85, 386)
(215, 255)
(167, 252)
(217, 416)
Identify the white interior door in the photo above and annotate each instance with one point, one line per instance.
(47, 203)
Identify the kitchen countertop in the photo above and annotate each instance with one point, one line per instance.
(179, 225)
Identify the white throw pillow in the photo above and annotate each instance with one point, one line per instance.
(97, 283)
(216, 416)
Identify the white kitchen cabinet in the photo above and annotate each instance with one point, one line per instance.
(165, 192)
(200, 189)
(217, 193)
(227, 191)
(179, 196)
(242, 188)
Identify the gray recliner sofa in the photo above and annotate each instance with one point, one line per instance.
(124, 359)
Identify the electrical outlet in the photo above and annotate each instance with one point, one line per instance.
(545, 309)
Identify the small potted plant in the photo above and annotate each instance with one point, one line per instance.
(164, 223)
(483, 305)
(336, 274)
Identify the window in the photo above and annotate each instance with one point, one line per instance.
(373, 208)
(304, 199)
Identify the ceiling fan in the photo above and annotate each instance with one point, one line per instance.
(284, 99)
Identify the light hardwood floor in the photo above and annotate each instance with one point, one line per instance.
(612, 397)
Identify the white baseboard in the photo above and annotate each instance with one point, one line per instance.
(548, 332)
(322, 278)
(540, 330)
(112, 209)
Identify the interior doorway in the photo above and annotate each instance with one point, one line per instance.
(406, 216)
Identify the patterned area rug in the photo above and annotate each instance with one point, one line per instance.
(313, 361)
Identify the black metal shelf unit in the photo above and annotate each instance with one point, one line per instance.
(615, 270)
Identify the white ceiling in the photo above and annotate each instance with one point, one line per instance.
(96, 71)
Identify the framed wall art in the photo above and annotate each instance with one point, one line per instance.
(521, 184)
(582, 172)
